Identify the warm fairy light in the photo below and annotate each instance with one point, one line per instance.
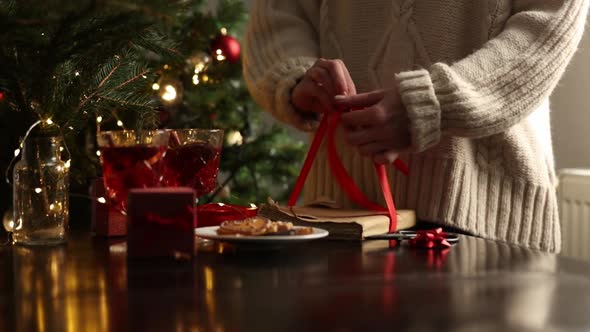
(61, 148)
(252, 205)
(166, 67)
(120, 123)
(101, 200)
(68, 163)
(199, 67)
(9, 226)
(195, 79)
(71, 128)
(16, 152)
(219, 56)
(155, 86)
(51, 206)
(224, 31)
(143, 76)
(77, 73)
(169, 93)
(98, 153)
(205, 78)
(99, 119)
(49, 121)
(234, 138)
(38, 190)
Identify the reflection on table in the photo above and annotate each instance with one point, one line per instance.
(89, 285)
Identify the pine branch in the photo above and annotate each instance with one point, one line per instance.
(159, 45)
(230, 13)
(131, 79)
(107, 94)
(137, 102)
(110, 73)
(105, 32)
(51, 59)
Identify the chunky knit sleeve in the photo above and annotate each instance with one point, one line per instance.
(499, 84)
(281, 44)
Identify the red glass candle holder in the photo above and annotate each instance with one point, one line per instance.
(131, 159)
(192, 159)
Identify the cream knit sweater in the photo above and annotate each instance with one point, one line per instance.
(474, 76)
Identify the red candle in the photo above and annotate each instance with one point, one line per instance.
(213, 214)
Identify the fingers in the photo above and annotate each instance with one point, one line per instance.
(351, 88)
(382, 141)
(324, 80)
(307, 96)
(373, 148)
(367, 117)
(322, 77)
(367, 135)
(386, 157)
(339, 74)
(380, 152)
(361, 100)
(322, 100)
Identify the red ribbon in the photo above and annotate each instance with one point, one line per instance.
(328, 126)
(430, 239)
(182, 220)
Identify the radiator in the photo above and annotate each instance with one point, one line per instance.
(574, 210)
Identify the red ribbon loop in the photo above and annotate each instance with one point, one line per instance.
(328, 126)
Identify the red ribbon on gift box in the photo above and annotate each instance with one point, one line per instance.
(328, 126)
(177, 220)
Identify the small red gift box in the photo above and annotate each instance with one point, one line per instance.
(161, 222)
(106, 220)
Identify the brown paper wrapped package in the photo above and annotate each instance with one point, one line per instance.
(343, 224)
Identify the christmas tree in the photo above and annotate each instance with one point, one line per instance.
(135, 65)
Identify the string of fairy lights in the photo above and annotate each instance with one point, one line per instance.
(169, 92)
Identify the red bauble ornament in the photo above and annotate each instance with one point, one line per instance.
(226, 47)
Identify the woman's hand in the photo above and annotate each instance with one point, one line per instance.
(380, 128)
(326, 79)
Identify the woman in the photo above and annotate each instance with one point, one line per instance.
(457, 89)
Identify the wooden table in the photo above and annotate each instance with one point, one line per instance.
(88, 285)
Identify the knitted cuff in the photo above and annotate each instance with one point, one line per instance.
(422, 106)
(283, 79)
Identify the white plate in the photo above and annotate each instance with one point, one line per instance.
(211, 234)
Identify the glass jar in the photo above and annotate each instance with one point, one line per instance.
(41, 189)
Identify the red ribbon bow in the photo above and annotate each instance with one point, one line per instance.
(430, 239)
(328, 127)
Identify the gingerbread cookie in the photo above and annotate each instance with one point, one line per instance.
(256, 226)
